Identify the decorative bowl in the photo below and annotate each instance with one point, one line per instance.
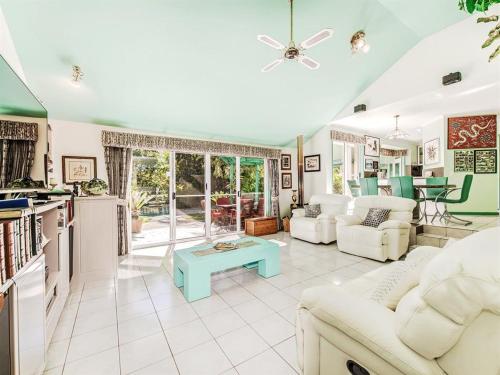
(95, 186)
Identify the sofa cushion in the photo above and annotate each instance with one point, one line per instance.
(375, 217)
(313, 210)
(401, 208)
(331, 203)
(455, 287)
(402, 276)
(370, 235)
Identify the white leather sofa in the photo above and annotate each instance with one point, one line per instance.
(388, 241)
(448, 324)
(320, 229)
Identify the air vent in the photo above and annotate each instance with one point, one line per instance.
(452, 78)
(360, 108)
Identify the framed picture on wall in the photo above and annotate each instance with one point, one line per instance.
(432, 152)
(369, 164)
(286, 180)
(485, 161)
(286, 162)
(78, 168)
(464, 161)
(372, 146)
(375, 165)
(472, 132)
(312, 163)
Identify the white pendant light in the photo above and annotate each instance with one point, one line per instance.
(77, 75)
(397, 133)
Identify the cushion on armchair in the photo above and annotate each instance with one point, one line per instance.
(313, 210)
(375, 217)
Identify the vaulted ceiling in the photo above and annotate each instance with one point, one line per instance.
(192, 67)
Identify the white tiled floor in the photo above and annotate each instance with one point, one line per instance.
(140, 323)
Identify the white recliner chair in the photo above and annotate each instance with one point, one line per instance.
(322, 228)
(448, 324)
(388, 241)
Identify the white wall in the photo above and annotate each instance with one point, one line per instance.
(432, 131)
(286, 194)
(7, 48)
(319, 182)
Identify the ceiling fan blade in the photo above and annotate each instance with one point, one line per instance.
(317, 38)
(271, 65)
(308, 62)
(266, 39)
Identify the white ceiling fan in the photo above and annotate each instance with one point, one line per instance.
(293, 52)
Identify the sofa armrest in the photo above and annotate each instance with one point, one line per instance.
(348, 219)
(299, 212)
(394, 224)
(334, 307)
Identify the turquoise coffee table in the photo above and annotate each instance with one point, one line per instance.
(193, 272)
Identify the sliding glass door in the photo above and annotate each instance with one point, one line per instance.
(150, 203)
(180, 196)
(190, 201)
(346, 165)
(252, 189)
(223, 197)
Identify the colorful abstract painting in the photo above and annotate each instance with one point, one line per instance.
(472, 132)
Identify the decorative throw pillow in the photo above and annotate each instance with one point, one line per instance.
(375, 217)
(313, 210)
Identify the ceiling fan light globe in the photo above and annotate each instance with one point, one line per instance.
(366, 48)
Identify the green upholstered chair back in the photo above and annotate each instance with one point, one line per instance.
(434, 192)
(466, 186)
(354, 191)
(369, 186)
(402, 187)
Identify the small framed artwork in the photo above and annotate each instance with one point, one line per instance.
(78, 168)
(432, 152)
(312, 163)
(464, 160)
(286, 180)
(375, 165)
(369, 164)
(372, 146)
(286, 162)
(485, 161)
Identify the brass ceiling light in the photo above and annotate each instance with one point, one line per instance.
(77, 75)
(359, 43)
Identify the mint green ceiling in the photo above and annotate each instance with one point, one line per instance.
(193, 67)
(15, 98)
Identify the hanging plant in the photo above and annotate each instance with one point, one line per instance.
(472, 6)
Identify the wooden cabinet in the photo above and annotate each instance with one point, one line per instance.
(96, 235)
(261, 226)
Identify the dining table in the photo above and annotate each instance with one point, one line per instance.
(420, 187)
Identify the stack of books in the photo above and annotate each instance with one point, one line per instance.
(19, 239)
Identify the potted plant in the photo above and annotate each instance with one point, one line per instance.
(139, 200)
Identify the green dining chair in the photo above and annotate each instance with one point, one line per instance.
(403, 187)
(432, 193)
(464, 197)
(369, 186)
(355, 191)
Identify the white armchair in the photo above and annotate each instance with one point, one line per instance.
(321, 228)
(446, 319)
(388, 241)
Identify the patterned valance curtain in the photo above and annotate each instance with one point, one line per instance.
(17, 150)
(19, 131)
(274, 190)
(118, 164)
(395, 153)
(152, 142)
(347, 137)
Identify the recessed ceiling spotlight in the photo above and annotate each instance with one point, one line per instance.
(77, 75)
(359, 43)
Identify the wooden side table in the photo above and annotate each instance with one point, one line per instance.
(261, 226)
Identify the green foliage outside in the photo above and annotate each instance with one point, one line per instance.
(338, 183)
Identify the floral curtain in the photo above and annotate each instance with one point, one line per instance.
(15, 130)
(153, 142)
(337, 135)
(118, 164)
(274, 189)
